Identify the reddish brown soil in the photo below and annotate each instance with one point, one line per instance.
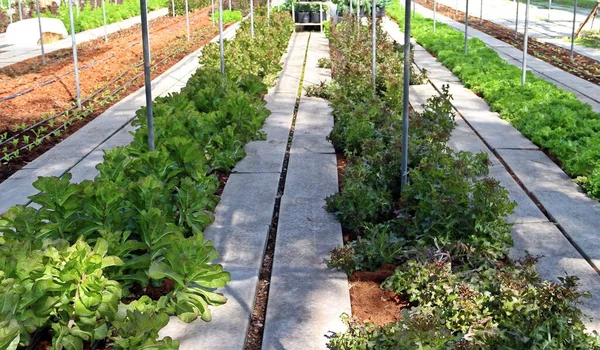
(105, 61)
(372, 304)
(581, 66)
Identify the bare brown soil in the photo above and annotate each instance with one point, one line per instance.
(116, 62)
(372, 304)
(581, 66)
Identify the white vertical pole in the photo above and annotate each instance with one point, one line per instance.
(573, 31)
(351, 8)
(9, 11)
(104, 17)
(37, 9)
(481, 12)
(20, 10)
(221, 50)
(374, 44)
(549, 9)
(517, 20)
(75, 64)
(456, 10)
(252, 19)
(173, 7)
(434, 12)
(467, 27)
(524, 68)
(187, 19)
(320, 15)
(229, 5)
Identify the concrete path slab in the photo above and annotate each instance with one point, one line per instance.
(558, 258)
(242, 222)
(576, 213)
(306, 298)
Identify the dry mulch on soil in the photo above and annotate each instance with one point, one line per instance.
(581, 66)
(372, 304)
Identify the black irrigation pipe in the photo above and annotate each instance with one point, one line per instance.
(64, 125)
(41, 122)
(55, 79)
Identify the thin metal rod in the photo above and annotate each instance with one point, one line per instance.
(549, 9)
(573, 30)
(405, 97)
(37, 9)
(229, 5)
(467, 27)
(147, 76)
(252, 19)
(434, 13)
(221, 49)
(481, 12)
(374, 45)
(525, 37)
(75, 64)
(187, 19)
(517, 20)
(456, 10)
(104, 17)
(213, 12)
(173, 7)
(20, 10)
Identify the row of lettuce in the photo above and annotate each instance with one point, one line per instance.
(549, 116)
(446, 232)
(79, 267)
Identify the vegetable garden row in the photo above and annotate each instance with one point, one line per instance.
(569, 130)
(446, 235)
(105, 262)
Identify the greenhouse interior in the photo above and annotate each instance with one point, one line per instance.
(299, 174)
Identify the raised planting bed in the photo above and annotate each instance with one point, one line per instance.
(567, 129)
(37, 108)
(581, 66)
(441, 245)
(104, 263)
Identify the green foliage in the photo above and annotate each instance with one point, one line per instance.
(263, 59)
(446, 231)
(501, 305)
(193, 5)
(550, 117)
(228, 16)
(67, 266)
(90, 18)
(589, 38)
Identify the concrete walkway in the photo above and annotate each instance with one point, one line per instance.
(584, 90)
(555, 31)
(565, 237)
(305, 298)
(82, 151)
(12, 54)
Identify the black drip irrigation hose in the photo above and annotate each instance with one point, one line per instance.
(41, 122)
(64, 125)
(55, 79)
